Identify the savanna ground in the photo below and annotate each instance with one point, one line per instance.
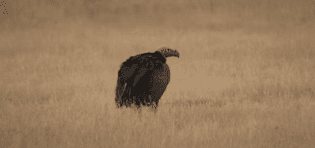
(245, 78)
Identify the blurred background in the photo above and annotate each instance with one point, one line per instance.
(177, 14)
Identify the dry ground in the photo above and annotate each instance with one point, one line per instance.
(240, 82)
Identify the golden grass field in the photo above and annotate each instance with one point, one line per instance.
(245, 77)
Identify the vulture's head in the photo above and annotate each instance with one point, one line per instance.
(167, 52)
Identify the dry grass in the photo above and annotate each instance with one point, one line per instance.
(247, 85)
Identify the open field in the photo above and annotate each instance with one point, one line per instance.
(245, 77)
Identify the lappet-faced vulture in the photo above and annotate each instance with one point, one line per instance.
(142, 79)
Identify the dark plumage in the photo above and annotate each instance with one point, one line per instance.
(142, 79)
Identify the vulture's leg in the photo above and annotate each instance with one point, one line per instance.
(150, 103)
(153, 105)
(154, 110)
(137, 102)
(155, 100)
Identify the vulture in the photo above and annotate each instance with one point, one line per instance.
(142, 79)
